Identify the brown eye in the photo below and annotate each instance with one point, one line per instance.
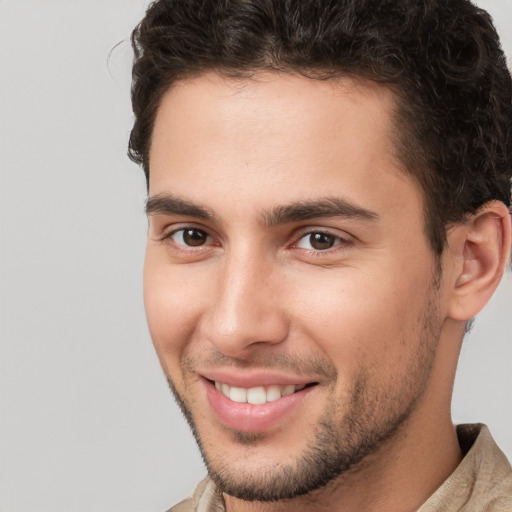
(191, 237)
(318, 241)
(321, 241)
(194, 237)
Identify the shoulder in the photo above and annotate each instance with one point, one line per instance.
(494, 479)
(482, 481)
(204, 499)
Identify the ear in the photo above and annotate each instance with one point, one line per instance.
(480, 250)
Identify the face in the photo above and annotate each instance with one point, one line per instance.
(289, 288)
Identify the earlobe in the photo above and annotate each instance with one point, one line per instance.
(482, 249)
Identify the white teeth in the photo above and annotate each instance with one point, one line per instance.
(238, 394)
(288, 390)
(273, 393)
(258, 395)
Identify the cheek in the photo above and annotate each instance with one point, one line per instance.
(173, 302)
(366, 319)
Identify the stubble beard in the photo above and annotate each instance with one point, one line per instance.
(339, 445)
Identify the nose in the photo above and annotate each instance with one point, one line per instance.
(246, 310)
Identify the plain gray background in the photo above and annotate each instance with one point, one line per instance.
(87, 423)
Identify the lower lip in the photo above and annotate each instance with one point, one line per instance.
(253, 418)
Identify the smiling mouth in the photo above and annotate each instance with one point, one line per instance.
(259, 395)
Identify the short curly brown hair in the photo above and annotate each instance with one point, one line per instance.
(442, 58)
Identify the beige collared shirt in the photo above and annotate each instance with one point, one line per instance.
(482, 482)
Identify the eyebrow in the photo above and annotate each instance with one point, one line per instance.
(323, 207)
(171, 205)
(294, 212)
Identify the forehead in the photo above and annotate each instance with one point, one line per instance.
(276, 138)
(273, 107)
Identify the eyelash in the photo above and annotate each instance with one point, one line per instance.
(182, 247)
(339, 243)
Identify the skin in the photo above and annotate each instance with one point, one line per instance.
(368, 320)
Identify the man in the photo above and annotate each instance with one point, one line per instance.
(329, 193)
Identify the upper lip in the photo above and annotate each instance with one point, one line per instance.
(254, 378)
